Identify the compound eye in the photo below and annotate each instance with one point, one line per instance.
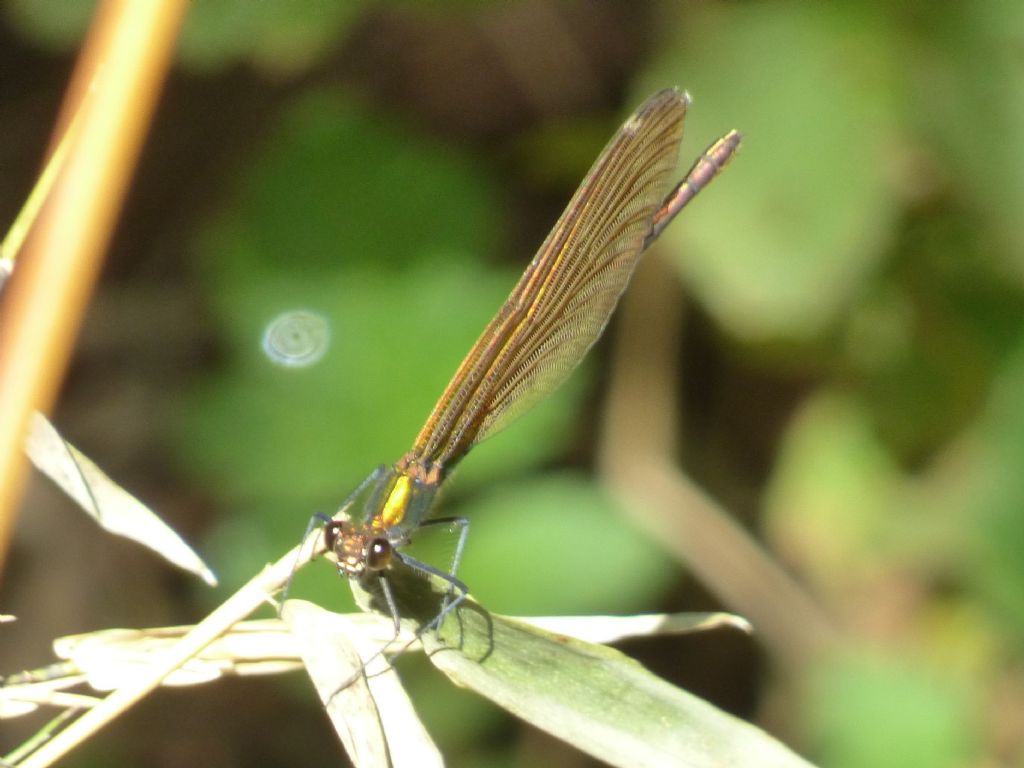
(378, 554)
(332, 532)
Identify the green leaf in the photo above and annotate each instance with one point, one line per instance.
(884, 712)
(280, 37)
(779, 245)
(834, 488)
(993, 495)
(55, 24)
(965, 101)
(558, 544)
(588, 695)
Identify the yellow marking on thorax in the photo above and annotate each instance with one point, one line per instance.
(394, 509)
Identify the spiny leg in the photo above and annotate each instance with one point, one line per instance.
(454, 584)
(389, 599)
(463, 525)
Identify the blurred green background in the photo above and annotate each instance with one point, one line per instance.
(852, 356)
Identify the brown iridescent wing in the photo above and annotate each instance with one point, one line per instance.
(564, 299)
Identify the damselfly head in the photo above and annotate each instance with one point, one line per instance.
(358, 549)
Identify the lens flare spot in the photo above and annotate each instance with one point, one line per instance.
(297, 339)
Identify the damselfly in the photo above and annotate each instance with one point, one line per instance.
(555, 313)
